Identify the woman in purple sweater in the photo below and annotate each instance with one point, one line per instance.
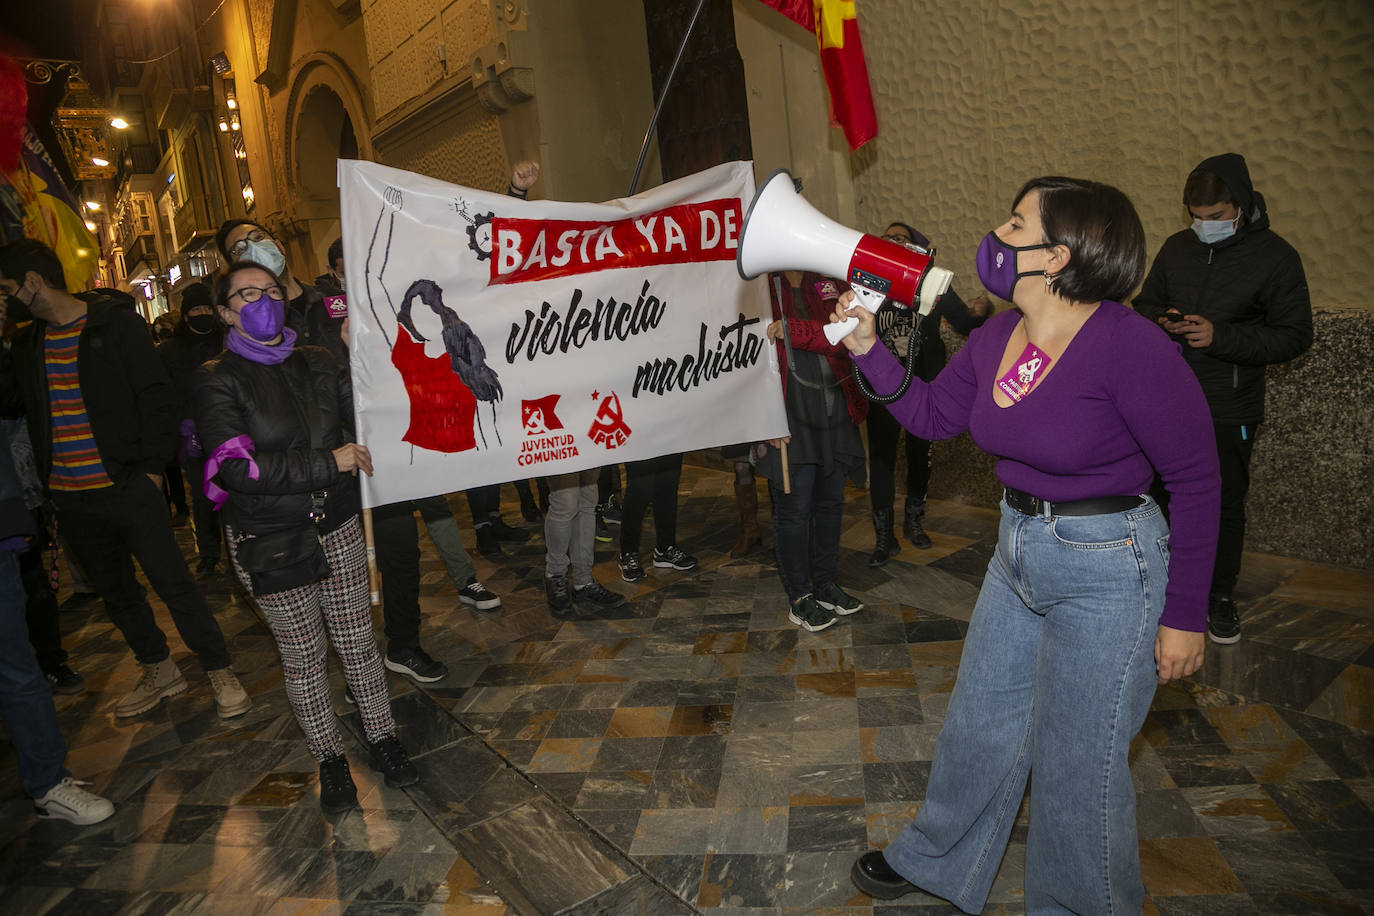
(1089, 599)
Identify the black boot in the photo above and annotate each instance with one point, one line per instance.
(885, 546)
(911, 529)
(337, 791)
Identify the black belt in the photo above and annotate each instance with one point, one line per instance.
(1026, 504)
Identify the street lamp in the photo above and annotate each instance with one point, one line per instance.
(93, 206)
(118, 123)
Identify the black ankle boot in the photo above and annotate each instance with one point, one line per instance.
(337, 791)
(872, 875)
(911, 528)
(885, 544)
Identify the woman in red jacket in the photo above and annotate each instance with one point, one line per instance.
(824, 410)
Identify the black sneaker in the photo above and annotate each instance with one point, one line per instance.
(808, 614)
(603, 534)
(612, 512)
(510, 533)
(64, 680)
(673, 558)
(392, 761)
(833, 598)
(1223, 621)
(597, 596)
(631, 570)
(337, 791)
(488, 545)
(476, 595)
(415, 663)
(556, 592)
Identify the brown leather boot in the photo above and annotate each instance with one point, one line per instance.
(747, 499)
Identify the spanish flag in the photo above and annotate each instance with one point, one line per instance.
(842, 59)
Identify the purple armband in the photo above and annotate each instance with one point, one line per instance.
(237, 447)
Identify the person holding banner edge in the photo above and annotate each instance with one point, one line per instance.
(824, 410)
(1090, 599)
(291, 509)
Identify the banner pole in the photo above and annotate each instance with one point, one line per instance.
(786, 476)
(373, 577)
(667, 84)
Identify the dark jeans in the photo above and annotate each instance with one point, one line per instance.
(209, 531)
(654, 480)
(396, 538)
(1234, 446)
(25, 698)
(174, 487)
(607, 483)
(806, 527)
(484, 502)
(41, 613)
(883, 436)
(107, 529)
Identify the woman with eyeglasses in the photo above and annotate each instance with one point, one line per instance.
(306, 311)
(276, 422)
(1090, 599)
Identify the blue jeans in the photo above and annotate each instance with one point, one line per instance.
(25, 698)
(806, 528)
(1056, 677)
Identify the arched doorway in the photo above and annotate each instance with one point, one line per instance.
(324, 133)
(326, 121)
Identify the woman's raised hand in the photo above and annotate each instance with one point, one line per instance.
(863, 337)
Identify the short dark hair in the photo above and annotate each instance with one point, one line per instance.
(1099, 226)
(229, 226)
(1204, 188)
(24, 255)
(222, 282)
(335, 252)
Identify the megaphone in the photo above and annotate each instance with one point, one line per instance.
(783, 232)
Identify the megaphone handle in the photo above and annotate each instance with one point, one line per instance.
(840, 330)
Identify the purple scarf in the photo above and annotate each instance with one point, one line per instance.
(257, 351)
(238, 447)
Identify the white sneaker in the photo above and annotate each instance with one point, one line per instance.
(230, 698)
(160, 679)
(70, 802)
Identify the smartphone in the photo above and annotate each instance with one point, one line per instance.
(1174, 315)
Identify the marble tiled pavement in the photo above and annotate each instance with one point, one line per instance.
(697, 752)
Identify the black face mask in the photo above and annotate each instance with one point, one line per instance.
(201, 324)
(18, 310)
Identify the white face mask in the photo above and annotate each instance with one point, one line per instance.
(1211, 231)
(265, 254)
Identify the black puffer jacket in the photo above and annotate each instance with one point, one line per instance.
(234, 396)
(182, 353)
(1252, 288)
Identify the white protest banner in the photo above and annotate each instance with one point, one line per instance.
(493, 338)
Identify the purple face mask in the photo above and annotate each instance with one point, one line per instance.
(263, 319)
(997, 265)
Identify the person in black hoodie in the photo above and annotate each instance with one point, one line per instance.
(198, 338)
(1234, 294)
(276, 423)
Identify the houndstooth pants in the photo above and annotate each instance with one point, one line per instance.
(299, 618)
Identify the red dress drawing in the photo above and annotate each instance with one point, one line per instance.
(442, 409)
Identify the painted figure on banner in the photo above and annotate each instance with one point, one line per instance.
(441, 361)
